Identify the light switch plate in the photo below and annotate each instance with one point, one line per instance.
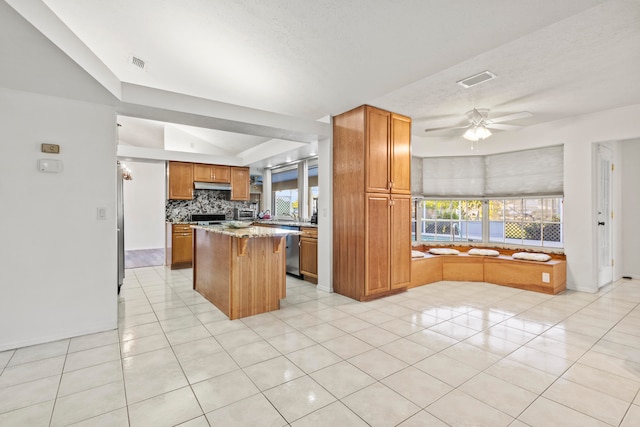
(101, 213)
(546, 278)
(50, 165)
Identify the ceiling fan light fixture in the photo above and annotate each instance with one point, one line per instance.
(482, 132)
(470, 134)
(477, 133)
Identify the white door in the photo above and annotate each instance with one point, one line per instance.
(604, 217)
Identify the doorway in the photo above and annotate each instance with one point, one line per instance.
(604, 237)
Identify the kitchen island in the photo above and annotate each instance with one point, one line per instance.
(241, 271)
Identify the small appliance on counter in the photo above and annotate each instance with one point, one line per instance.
(240, 214)
(208, 219)
(314, 218)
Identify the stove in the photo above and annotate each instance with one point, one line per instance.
(208, 219)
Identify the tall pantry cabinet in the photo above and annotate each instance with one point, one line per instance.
(371, 203)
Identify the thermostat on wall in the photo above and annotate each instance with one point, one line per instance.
(51, 166)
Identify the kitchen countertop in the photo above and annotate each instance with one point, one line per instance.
(285, 222)
(249, 232)
(181, 222)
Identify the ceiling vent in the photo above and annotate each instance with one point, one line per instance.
(477, 79)
(138, 62)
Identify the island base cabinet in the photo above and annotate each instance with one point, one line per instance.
(242, 277)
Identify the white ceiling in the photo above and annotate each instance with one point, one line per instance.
(313, 59)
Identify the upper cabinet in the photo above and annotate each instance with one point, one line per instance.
(182, 176)
(211, 173)
(400, 150)
(180, 180)
(387, 142)
(240, 183)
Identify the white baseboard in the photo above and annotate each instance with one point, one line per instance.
(324, 287)
(588, 290)
(71, 333)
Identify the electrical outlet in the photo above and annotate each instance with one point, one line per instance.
(50, 148)
(546, 278)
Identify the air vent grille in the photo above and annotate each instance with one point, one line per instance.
(138, 62)
(477, 79)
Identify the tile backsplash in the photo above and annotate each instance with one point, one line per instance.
(204, 201)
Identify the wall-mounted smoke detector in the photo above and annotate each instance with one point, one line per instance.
(484, 76)
(138, 62)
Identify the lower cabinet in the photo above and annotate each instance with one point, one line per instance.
(309, 254)
(388, 243)
(179, 246)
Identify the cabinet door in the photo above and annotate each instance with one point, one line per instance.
(400, 241)
(377, 244)
(309, 257)
(202, 173)
(239, 183)
(180, 181)
(377, 151)
(182, 248)
(400, 154)
(220, 174)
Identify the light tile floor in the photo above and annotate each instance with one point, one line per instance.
(450, 353)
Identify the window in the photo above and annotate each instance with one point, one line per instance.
(285, 192)
(522, 221)
(530, 221)
(448, 220)
(313, 186)
(289, 197)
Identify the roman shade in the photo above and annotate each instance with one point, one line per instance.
(453, 176)
(536, 172)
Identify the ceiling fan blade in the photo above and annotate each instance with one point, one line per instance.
(502, 127)
(446, 128)
(508, 117)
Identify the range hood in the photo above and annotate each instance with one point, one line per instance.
(211, 186)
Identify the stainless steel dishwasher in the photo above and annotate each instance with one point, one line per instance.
(293, 251)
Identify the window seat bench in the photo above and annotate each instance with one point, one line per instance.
(549, 277)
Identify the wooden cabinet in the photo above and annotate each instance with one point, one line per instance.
(309, 254)
(371, 203)
(240, 183)
(180, 177)
(211, 173)
(387, 237)
(178, 245)
(400, 149)
(400, 241)
(387, 153)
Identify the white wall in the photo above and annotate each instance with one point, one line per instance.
(144, 206)
(325, 215)
(630, 212)
(58, 275)
(578, 135)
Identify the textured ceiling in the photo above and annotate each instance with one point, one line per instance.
(314, 59)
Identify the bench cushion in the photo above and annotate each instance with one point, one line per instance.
(444, 251)
(417, 254)
(531, 256)
(483, 252)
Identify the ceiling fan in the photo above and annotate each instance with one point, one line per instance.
(479, 124)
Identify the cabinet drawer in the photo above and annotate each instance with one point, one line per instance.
(309, 232)
(181, 228)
